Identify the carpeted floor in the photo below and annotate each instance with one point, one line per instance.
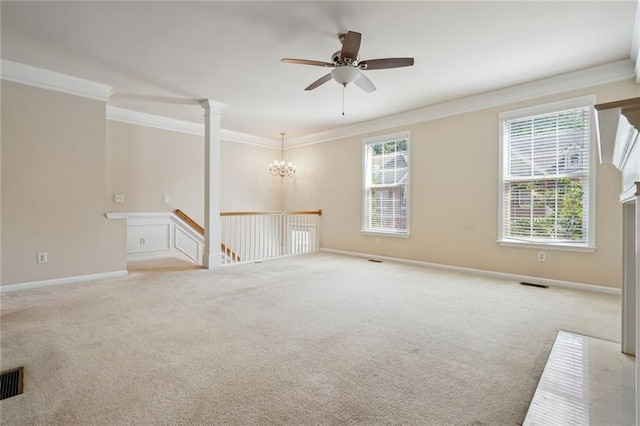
(313, 339)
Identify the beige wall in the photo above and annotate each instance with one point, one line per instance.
(53, 187)
(246, 182)
(454, 181)
(61, 166)
(145, 163)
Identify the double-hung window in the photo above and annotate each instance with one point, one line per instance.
(386, 185)
(547, 176)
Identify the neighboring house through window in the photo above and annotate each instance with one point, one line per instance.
(386, 185)
(547, 176)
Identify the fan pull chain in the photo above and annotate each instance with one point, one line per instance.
(343, 87)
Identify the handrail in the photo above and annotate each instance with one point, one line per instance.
(192, 223)
(318, 212)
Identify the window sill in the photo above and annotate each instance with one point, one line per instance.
(548, 246)
(384, 234)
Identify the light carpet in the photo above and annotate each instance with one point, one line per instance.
(312, 339)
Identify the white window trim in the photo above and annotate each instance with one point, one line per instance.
(378, 139)
(581, 102)
(387, 234)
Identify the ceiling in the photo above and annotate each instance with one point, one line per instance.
(161, 57)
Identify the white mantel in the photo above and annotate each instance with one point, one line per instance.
(619, 144)
(618, 140)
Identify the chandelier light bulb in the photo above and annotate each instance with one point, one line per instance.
(280, 167)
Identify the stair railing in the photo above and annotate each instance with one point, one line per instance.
(263, 235)
(228, 254)
(252, 236)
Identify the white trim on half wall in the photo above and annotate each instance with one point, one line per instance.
(493, 274)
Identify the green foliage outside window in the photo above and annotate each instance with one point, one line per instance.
(548, 209)
(388, 147)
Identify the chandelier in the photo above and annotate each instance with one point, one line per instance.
(280, 167)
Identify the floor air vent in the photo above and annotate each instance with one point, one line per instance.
(11, 383)
(374, 260)
(534, 285)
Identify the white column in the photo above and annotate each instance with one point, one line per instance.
(636, 284)
(629, 278)
(212, 135)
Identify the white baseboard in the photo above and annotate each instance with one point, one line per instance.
(154, 255)
(519, 278)
(61, 281)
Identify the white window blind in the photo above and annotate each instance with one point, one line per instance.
(546, 178)
(386, 185)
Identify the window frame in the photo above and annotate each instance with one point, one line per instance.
(550, 108)
(376, 140)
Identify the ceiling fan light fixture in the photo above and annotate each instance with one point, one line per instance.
(347, 65)
(345, 74)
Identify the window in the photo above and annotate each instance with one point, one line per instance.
(546, 182)
(386, 185)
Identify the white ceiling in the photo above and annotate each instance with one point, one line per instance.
(161, 57)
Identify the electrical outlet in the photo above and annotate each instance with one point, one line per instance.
(118, 198)
(142, 241)
(42, 257)
(165, 199)
(542, 256)
(378, 240)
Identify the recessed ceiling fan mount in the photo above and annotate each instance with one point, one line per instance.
(347, 66)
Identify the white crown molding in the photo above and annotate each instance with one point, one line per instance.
(232, 136)
(172, 124)
(602, 74)
(45, 79)
(61, 281)
(483, 272)
(156, 121)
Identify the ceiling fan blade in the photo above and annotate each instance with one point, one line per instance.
(380, 64)
(364, 83)
(319, 82)
(306, 62)
(351, 46)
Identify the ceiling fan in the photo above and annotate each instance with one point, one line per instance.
(347, 66)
